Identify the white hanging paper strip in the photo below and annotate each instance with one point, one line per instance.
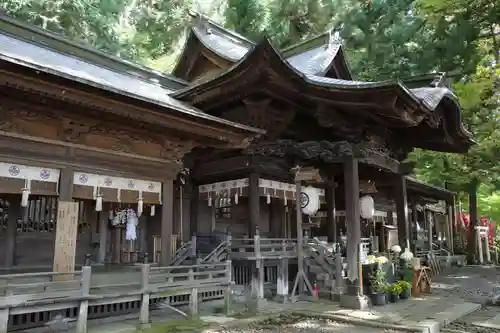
(18, 171)
(88, 179)
(26, 193)
(221, 186)
(98, 204)
(277, 187)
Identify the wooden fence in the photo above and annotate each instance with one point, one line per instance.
(35, 293)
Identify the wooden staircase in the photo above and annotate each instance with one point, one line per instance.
(320, 260)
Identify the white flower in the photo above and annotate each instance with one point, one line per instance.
(407, 255)
(382, 260)
(370, 259)
(396, 249)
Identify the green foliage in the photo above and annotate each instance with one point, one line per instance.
(378, 279)
(394, 288)
(403, 285)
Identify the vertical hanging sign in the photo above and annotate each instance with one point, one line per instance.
(66, 233)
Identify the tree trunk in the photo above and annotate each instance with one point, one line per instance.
(473, 218)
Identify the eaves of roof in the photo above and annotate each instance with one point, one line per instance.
(423, 100)
(44, 59)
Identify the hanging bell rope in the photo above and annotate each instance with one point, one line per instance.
(26, 191)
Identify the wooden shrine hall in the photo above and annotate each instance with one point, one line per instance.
(356, 135)
(85, 145)
(241, 160)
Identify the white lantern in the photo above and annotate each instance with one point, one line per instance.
(309, 200)
(367, 207)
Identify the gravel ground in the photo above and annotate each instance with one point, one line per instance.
(303, 325)
(472, 284)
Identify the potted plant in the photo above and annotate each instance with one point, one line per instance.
(394, 290)
(405, 289)
(378, 284)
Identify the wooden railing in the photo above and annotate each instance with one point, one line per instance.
(218, 254)
(263, 248)
(38, 292)
(321, 254)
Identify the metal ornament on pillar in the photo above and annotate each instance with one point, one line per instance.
(367, 207)
(309, 200)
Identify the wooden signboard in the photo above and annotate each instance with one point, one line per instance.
(66, 233)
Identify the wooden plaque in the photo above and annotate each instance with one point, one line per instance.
(66, 232)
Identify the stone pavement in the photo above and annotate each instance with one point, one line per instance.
(423, 314)
(479, 284)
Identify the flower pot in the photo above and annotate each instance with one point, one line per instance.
(405, 294)
(378, 299)
(393, 298)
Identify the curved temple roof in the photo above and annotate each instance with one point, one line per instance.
(409, 111)
(322, 55)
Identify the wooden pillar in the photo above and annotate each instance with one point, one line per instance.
(473, 223)
(487, 246)
(103, 235)
(353, 224)
(194, 201)
(479, 246)
(253, 203)
(167, 222)
(14, 212)
(143, 241)
(117, 244)
(283, 218)
(382, 234)
(402, 212)
(450, 223)
(430, 223)
(300, 234)
(414, 229)
(282, 279)
(331, 222)
(66, 224)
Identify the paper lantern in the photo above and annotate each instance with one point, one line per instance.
(367, 207)
(309, 200)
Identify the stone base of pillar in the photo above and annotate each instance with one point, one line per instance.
(253, 301)
(282, 298)
(355, 302)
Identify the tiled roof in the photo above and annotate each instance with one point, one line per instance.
(424, 101)
(230, 46)
(34, 56)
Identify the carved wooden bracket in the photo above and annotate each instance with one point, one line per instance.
(325, 151)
